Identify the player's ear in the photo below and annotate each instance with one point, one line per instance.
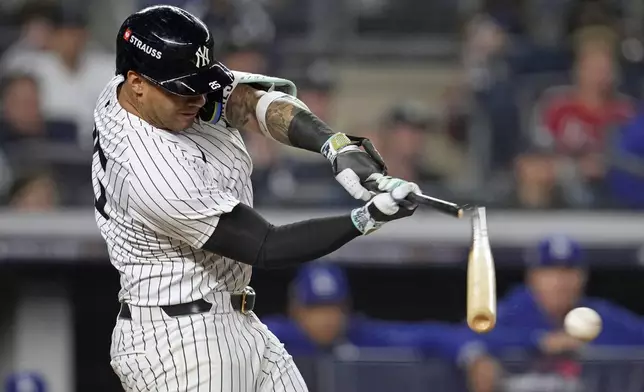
(136, 82)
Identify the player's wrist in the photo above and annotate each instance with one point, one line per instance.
(335, 144)
(364, 221)
(381, 209)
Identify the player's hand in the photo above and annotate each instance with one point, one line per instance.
(559, 342)
(385, 207)
(354, 166)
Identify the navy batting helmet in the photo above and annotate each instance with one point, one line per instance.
(171, 48)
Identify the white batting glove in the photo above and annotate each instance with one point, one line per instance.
(385, 207)
(389, 184)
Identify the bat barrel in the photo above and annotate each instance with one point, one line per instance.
(481, 279)
(481, 322)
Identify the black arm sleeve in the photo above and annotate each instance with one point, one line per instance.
(308, 132)
(245, 236)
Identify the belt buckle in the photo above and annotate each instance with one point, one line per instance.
(245, 306)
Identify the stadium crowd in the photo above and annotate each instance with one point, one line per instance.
(559, 105)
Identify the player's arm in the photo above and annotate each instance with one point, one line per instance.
(244, 235)
(176, 195)
(286, 119)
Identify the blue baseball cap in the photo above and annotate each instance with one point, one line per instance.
(556, 251)
(318, 284)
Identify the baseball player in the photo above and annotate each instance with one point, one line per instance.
(173, 198)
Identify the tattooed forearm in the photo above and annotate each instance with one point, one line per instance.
(240, 113)
(279, 117)
(240, 108)
(286, 121)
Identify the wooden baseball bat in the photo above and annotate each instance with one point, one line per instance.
(481, 277)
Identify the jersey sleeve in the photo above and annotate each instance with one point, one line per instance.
(173, 192)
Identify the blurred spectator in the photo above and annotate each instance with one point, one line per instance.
(315, 89)
(247, 58)
(402, 140)
(239, 23)
(577, 120)
(36, 19)
(20, 114)
(626, 174)
(34, 192)
(485, 42)
(70, 76)
(530, 318)
(536, 187)
(21, 117)
(573, 126)
(416, 147)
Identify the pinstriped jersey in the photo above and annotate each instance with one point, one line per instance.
(158, 198)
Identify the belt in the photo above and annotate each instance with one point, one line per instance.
(243, 302)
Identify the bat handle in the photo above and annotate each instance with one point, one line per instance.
(443, 206)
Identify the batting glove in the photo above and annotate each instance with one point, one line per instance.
(385, 207)
(352, 166)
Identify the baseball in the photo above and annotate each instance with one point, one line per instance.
(583, 323)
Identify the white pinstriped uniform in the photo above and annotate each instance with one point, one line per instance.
(159, 196)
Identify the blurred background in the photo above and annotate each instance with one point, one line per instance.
(530, 107)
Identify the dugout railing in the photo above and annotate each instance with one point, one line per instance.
(597, 370)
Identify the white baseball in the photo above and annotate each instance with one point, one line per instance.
(583, 323)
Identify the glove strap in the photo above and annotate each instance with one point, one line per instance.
(363, 221)
(334, 144)
(342, 142)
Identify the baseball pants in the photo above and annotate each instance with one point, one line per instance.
(223, 350)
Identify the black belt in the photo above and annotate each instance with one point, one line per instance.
(243, 302)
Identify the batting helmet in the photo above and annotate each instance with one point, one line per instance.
(171, 48)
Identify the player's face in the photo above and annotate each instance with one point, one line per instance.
(557, 289)
(323, 324)
(170, 111)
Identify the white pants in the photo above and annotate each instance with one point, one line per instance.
(223, 351)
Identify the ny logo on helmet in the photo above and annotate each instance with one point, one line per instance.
(202, 57)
